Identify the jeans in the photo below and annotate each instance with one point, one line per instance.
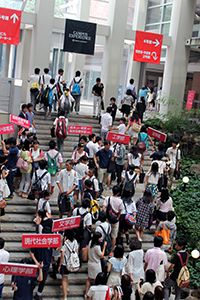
(97, 103)
(167, 284)
(171, 175)
(42, 283)
(10, 181)
(77, 98)
(1, 289)
(34, 98)
(26, 177)
(60, 144)
(103, 136)
(119, 170)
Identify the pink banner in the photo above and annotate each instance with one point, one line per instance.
(74, 129)
(18, 269)
(190, 99)
(41, 240)
(7, 129)
(68, 223)
(157, 134)
(19, 121)
(118, 137)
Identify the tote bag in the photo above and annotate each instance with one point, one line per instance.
(164, 233)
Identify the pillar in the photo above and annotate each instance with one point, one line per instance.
(113, 49)
(177, 57)
(138, 69)
(79, 59)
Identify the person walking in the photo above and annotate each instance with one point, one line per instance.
(76, 88)
(134, 120)
(61, 127)
(141, 107)
(106, 123)
(4, 258)
(26, 175)
(127, 103)
(173, 155)
(97, 91)
(35, 83)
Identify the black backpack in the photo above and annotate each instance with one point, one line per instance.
(107, 239)
(128, 187)
(36, 189)
(112, 216)
(79, 231)
(64, 203)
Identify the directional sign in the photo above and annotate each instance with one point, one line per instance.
(18, 269)
(118, 137)
(68, 223)
(148, 47)
(190, 99)
(41, 240)
(10, 20)
(7, 129)
(157, 134)
(19, 121)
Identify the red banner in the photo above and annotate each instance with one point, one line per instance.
(41, 240)
(10, 20)
(148, 47)
(19, 121)
(68, 223)
(18, 269)
(7, 129)
(118, 137)
(86, 130)
(190, 99)
(157, 134)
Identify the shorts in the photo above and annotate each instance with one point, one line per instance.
(53, 180)
(109, 174)
(1, 289)
(161, 216)
(63, 271)
(80, 187)
(114, 230)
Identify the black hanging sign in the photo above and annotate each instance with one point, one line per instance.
(79, 37)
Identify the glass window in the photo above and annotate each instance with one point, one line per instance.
(167, 13)
(163, 53)
(30, 6)
(153, 28)
(154, 15)
(154, 2)
(130, 14)
(165, 29)
(66, 8)
(99, 12)
(168, 1)
(11, 4)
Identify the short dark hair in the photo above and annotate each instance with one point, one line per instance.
(37, 71)
(102, 216)
(158, 241)
(135, 245)
(109, 109)
(60, 71)
(52, 144)
(88, 183)
(161, 146)
(69, 161)
(46, 193)
(143, 129)
(12, 140)
(182, 242)
(159, 293)
(41, 213)
(113, 99)
(150, 276)
(83, 137)
(170, 215)
(78, 73)
(98, 79)
(70, 234)
(101, 278)
(86, 203)
(116, 190)
(1, 243)
(52, 80)
(91, 136)
(131, 81)
(46, 70)
(29, 105)
(123, 119)
(42, 164)
(126, 281)
(84, 158)
(175, 141)
(98, 138)
(24, 106)
(61, 113)
(148, 296)
(93, 170)
(118, 251)
(159, 156)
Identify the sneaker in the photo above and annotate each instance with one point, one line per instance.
(140, 240)
(102, 197)
(77, 113)
(111, 254)
(10, 197)
(93, 116)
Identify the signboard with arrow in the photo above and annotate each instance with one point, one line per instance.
(148, 47)
(10, 20)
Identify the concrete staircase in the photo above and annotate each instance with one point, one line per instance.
(20, 214)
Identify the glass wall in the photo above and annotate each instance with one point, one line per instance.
(30, 6)
(159, 16)
(66, 8)
(14, 4)
(99, 11)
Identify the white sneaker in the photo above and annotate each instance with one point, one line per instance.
(140, 240)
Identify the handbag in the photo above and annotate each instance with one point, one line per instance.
(64, 203)
(53, 132)
(6, 191)
(129, 218)
(142, 176)
(142, 145)
(22, 164)
(136, 127)
(111, 166)
(119, 106)
(164, 233)
(102, 104)
(160, 272)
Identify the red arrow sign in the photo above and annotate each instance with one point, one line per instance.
(148, 47)
(10, 20)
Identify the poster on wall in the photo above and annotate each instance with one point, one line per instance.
(79, 37)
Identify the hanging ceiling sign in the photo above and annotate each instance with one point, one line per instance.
(10, 21)
(148, 47)
(79, 37)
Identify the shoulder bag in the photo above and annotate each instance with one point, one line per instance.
(164, 233)
(142, 145)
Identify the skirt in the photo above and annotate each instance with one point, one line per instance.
(114, 279)
(132, 133)
(125, 109)
(153, 188)
(94, 269)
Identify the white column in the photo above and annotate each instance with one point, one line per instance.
(83, 15)
(113, 50)
(177, 58)
(139, 22)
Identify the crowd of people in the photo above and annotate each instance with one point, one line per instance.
(94, 166)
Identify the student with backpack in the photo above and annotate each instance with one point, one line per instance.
(105, 229)
(81, 169)
(65, 102)
(76, 87)
(69, 261)
(36, 154)
(95, 184)
(47, 100)
(61, 126)
(43, 203)
(179, 267)
(53, 158)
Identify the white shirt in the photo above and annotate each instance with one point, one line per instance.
(58, 78)
(61, 117)
(87, 220)
(121, 128)
(98, 292)
(34, 78)
(172, 156)
(153, 179)
(135, 264)
(71, 99)
(161, 165)
(46, 79)
(130, 208)
(92, 148)
(81, 170)
(94, 181)
(115, 202)
(67, 180)
(130, 177)
(45, 181)
(106, 121)
(76, 155)
(77, 79)
(134, 161)
(106, 226)
(148, 287)
(46, 207)
(54, 89)
(72, 245)
(4, 257)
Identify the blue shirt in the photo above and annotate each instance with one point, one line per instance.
(12, 158)
(154, 155)
(104, 157)
(143, 137)
(43, 254)
(25, 287)
(85, 149)
(143, 93)
(30, 117)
